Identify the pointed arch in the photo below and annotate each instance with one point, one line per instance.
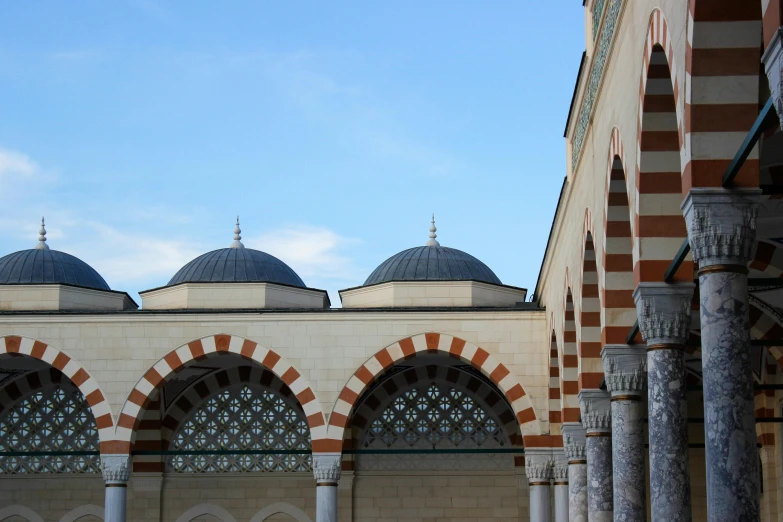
(281, 507)
(618, 312)
(555, 396)
(71, 368)
(431, 342)
(659, 226)
(570, 374)
(141, 394)
(591, 369)
(82, 511)
(20, 511)
(722, 97)
(206, 509)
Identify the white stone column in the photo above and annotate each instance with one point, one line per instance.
(664, 312)
(327, 468)
(597, 421)
(116, 472)
(574, 446)
(773, 64)
(722, 233)
(625, 371)
(538, 468)
(560, 477)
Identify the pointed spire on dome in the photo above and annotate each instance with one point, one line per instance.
(42, 237)
(433, 235)
(237, 243)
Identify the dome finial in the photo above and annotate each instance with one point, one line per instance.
(42, 237)
(237, 243)
(433, 235)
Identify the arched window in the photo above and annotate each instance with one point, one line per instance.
(435, 416)
(54, 419)
(242, 418)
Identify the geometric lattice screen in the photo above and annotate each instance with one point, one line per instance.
(434, 416)
(242, 418)
(52, 420)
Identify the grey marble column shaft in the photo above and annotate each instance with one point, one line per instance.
(116, 472)
(574, 448)
(597, 421)
(722, 231)
(664, 320)
(625, 371)
(327, 469)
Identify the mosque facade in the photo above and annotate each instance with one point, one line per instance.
(641, 380)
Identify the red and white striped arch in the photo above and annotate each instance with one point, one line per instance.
(555, 396)
(142, 393)
(659, 226)
(591, 368)
(618, 312)
(18, 345)
(570, 374)
(430, 342)
(722, 89)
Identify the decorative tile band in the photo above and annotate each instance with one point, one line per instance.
(596, 73)
(598, 10)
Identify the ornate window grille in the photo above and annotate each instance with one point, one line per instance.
(58, 419)
(434, 417)
(242, 418)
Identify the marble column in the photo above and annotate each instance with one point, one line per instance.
(327, 468)
(597, 422)
(664, 312)
(574, 447)
(625, 371)
(538, 469)
(560, 477)
(722, 231)
(116, 472)
(773, 64)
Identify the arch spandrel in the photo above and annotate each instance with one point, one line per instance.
(73, 370)
(432, 342)
(176, 360)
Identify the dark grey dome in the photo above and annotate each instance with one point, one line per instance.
(237, 265)
(44, 266)
(432, 263)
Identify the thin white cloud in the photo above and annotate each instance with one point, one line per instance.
(14, 163)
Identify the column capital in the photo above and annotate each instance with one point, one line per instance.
(664, 311)
(773, 64)
(539, 464)
(721, 225)
(573, 441)
(596, 410)
(625, 369)
(327, 467)
(116, 468)
(560, 469)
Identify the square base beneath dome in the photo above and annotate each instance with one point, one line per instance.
(457, 294)
(220, 296)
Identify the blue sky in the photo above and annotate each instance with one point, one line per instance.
(141, 128)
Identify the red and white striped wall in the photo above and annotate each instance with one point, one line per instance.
(570, 373)
(431, 342)
(555, 399)
(722, 89)
(143, 392)
(659, 225)
(618, 310)
(591, 369)
(74, 371)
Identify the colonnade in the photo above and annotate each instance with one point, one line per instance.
(606, 451)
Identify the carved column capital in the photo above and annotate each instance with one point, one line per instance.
(664, 311)
(625, 369)
(773, 64)
(560, 469)
(539, 464)
(721, 225)
(327, 467)
(116, 468)
(596, 411)
(574, 441)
